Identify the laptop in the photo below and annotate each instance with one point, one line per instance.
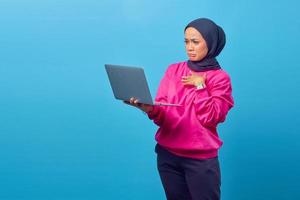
(127, 82)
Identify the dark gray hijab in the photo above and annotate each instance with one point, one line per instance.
(215, 40)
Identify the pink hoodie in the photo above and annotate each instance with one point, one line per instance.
(190, 130)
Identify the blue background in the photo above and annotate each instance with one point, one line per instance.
(64, 136)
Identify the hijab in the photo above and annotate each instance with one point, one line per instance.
(215, 40)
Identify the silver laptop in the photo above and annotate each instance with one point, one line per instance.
(127, 82)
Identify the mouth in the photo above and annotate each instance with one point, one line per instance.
(192, 55)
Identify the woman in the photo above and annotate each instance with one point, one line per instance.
(187, 139)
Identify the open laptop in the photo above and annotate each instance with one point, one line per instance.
(127, 82)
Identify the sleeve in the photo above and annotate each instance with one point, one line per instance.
(213, 103)
(158, 112)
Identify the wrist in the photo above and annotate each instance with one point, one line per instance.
(148, 109)
(200, 85)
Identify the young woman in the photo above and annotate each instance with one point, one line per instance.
(187, 139)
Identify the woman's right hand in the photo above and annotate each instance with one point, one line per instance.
(144, 107)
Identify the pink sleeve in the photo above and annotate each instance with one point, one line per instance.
(213, 103)
(157, 114)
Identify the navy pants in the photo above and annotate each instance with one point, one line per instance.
(188, 179)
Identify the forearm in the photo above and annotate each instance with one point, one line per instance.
(213, 103)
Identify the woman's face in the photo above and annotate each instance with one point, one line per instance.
(195, 44)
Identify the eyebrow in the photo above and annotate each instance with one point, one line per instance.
(192, 39)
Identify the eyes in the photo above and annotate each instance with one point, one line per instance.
(193, 41)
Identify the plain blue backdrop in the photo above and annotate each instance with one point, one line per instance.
(64, 136)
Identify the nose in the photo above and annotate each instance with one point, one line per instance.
(189, 46)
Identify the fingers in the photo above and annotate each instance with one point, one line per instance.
(193, 79)
(133, 100)
(144, 107)
(186, 80)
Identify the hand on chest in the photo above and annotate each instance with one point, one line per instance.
(187, 82)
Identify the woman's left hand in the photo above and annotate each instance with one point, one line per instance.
(193, 79)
